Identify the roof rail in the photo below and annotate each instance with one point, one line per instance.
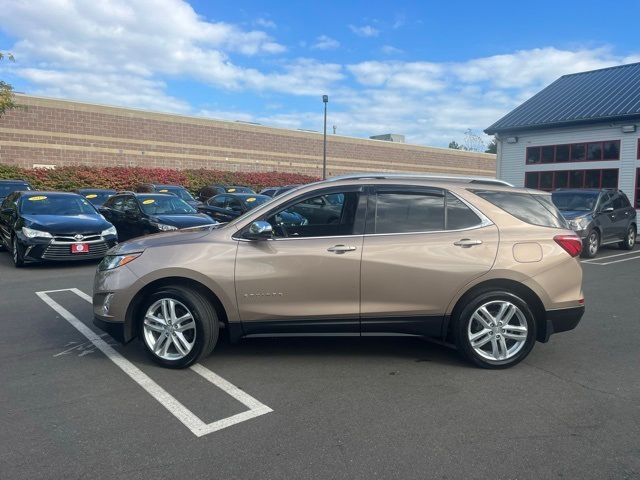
(421, 176)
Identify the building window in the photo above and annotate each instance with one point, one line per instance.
(638, 183)
(593, 178)
(576, 152)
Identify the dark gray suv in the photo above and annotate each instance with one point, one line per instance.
(599, 217)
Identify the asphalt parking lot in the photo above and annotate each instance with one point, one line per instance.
(77, 405)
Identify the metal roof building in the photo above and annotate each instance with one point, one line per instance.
(580, 131)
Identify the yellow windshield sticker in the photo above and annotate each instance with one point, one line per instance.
(251, 199)
(231, 190)
(148, 201)
(164, 190)
(92, 195)
(37, 198)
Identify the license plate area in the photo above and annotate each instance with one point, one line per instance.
(79, 248)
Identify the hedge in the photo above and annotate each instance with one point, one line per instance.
(127, 178)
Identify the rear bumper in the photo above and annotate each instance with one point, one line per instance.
(563, 320)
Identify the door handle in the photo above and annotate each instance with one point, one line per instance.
(467, 243)
(341, 249)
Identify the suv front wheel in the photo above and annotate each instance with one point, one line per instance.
(179, 326)
(495, 330)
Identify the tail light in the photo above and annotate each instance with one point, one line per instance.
(570, 243)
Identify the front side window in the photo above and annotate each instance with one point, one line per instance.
(320, 216)
(404, 212)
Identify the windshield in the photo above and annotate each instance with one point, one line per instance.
(180, 192)
(253, 202)
(56, 205)
(98, 198)
(8, 188)
(577, 201)
(165, 205)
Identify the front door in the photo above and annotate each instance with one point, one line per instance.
(307, 278)
(416, 258)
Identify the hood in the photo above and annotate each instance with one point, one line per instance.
(185, 221)
(571, 214)
(57, 224)
(157, 239)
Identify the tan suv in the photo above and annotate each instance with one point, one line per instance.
(488, 267)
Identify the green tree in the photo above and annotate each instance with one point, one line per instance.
(455, 145)
(7, 100)
(492, 147)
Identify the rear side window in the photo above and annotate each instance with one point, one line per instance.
(532, 209)
(459, 215)
(400, 212)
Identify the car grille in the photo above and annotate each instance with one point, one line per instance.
(61, 250)
(70, 238)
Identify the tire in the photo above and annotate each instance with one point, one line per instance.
(629, 239)
(496, 341)
(17, 254)
(591, 245)
(181, 346)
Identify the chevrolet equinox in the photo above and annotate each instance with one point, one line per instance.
(487, 267)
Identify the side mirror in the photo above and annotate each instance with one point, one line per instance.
(259, 230)
(607, 210)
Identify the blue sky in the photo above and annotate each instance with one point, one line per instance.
(429, 70)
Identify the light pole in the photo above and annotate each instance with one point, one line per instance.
(325, 100)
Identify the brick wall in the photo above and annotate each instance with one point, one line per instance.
(60, 132)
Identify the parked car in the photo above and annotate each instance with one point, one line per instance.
(10, 186)
(489, 268)
(275, 191)
(56, 226)
(229, 206)
(97, 196)
(136, 214)
(218, 189)
(177, 190)
(599, 217)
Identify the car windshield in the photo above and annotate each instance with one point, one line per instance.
(239, 190)
(97, 197)
(255, 200)
(8, 188)
(576, 201)
(183, 193)
(56, 205)
(165, 205)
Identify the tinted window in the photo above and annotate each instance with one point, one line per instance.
(115, 203)
(317, 217)
(577, 152)
(533, 155)
(254, 201)
(620, 202)
(609, 178)
(611, 150)
(592, 178)
(130, 204)
(217, 201)
(594, 151)
(400, 212)
(7, 188)
(562, 153)
(575, 201)
(234, 205)
(562, 179)
(532, 209)
(547, 154)
(546, 180)
(531, 180)
(459, 215)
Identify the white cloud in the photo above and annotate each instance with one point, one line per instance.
(324, 42)
(364, 30)
(266, 23)
(390, 50)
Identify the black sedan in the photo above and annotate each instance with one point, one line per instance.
(36, 226)
(177, 190)
(136, 214)
(97, 196)
(229, 206)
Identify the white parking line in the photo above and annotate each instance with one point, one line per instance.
(603, 260)
(168, 401)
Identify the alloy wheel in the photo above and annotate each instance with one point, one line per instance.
(497, 330)
(631, 237)
(169, 329)
(593, 243)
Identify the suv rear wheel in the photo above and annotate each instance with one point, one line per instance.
(179, 326)
(629, 239)
(495, 330)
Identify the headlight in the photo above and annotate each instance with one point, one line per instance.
(580, 223)
(109, 231)
(31, 233)
(163, 227)
(114, 261)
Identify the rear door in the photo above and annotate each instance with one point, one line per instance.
(422, 245)
(606, 220)
(622, 210)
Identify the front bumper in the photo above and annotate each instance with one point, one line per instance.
(43, 249)
(563, 320)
